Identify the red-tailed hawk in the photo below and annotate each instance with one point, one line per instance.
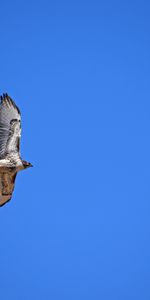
(10, 160)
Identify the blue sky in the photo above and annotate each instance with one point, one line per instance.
(78, 226)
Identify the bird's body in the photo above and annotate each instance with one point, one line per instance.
(10, 159)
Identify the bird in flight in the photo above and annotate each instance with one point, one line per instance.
(10, 159)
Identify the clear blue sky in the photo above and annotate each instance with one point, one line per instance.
(78, 226)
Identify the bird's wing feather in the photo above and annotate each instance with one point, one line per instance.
(7, 182)
(9, 138)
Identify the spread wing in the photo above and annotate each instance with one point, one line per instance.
(10, 127)
(7, 181)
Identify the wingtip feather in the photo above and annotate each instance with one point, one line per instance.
(6, 99)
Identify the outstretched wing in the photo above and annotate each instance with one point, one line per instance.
(7, 181)
(10, 126)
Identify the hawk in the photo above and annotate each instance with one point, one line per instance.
(10, 159)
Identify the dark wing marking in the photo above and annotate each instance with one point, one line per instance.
(7, 182)
(10, 126)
